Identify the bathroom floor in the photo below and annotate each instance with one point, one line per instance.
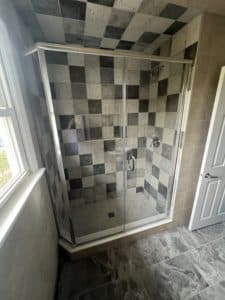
(175, 264)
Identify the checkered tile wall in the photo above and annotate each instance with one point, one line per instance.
(141, 25)
(164, 92)
(87, 94)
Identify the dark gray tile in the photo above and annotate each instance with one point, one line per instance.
(172, 103)
(95, 106)
(50, 7)
(75, 183)
(77, 74)
(67, 122)
(155, 171)
(145, 77)
(110, 187)
(125, 45)
(120, 18)
(99, 169)
(149, 155)
(132, 91)
(118, 131)
(151, 119)
(118, 92)
(79, 91)
(73, 9)
(162, 87)
(70, 149)
(190, 52)
(107, 75)
(74, 38)
(106, 62)
(58, 58)
(167, 151)
(109, 145)
(86, 159)
(162, 189)
(132, 119)
(103, 2)
(175, 27)
(143, 105)
(80, 135)
(113, 32)
(173, 11)
(95, 133)
(148, 37)
(91, 41)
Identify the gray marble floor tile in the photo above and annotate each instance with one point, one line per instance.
(194, 239)
(216, 292)
(213, 232)
(174, 279)
(218, 247)
(204, 260)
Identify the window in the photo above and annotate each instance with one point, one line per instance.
(13, 165)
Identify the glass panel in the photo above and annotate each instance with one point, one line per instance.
(153, 106)
(87, 96)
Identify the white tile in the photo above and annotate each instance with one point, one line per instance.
(160, 119)
(107, 132)
(92, 75)
(163, 38)
(69, 135)
(136, 27)
(157, 24)
(133, 77)
(58, 73)
(189, 14)
(52, 28)
(179, 41)
(97, 18)
(85, 147)
(193, 31)
(73, 26)
(132, 106)
(69, 161)
(88, 181)
(129, 5)
(63, 107)
(109, 43)
(75, 59)
(168, 136)
(94, 91)
(143, 118)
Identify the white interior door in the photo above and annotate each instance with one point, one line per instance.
(209, 204)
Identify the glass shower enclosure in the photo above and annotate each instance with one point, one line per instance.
(118, 122)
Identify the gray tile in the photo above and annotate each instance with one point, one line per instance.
(50, 7)
(73, 9)
(176, 278)
(216, 292)
(167, 151)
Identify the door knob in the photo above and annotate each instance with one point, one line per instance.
(208, 175)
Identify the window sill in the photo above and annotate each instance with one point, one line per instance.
(13, 207)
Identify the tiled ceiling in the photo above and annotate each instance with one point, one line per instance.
(141, 25)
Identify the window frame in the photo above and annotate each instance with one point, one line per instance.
(13, 89)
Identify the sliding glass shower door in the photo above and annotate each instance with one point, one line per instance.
(117, 121)
(154, 107)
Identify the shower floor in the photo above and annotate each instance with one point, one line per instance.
(173, 265)
(105, 217)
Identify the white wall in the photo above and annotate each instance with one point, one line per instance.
(28, 258)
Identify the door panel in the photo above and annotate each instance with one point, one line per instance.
(209, 206)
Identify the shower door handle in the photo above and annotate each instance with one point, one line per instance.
(131, 162)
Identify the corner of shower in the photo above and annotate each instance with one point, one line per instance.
(116, 122)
